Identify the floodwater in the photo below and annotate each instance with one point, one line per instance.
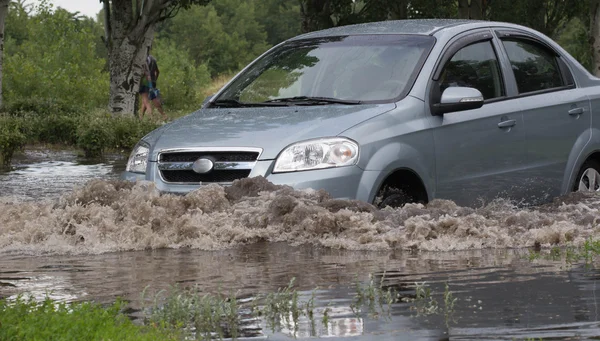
(70, 229)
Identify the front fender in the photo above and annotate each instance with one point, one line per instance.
(398, 156)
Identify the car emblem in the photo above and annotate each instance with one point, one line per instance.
(202, 166)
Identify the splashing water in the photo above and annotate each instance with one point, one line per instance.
(107, 216)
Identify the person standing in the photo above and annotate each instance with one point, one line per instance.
(148, 89)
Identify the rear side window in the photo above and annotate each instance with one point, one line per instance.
(535, 67)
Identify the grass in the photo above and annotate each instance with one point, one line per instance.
(586, 253)
(424, 302)
(216, 84)
(374, 297)
(449, 302)
(27, 319)
(204, 316)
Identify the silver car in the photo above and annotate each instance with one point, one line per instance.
(394, 112)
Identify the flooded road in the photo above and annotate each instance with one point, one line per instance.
(79, 240)
(45, 174)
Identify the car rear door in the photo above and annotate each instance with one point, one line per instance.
(556, 114)
(480, 154)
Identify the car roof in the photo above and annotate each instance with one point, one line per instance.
(411, 26)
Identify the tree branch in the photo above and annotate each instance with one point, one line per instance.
(107, 24)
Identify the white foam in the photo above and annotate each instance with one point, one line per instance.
(107, 216)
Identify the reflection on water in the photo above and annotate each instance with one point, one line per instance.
(45, 174)
(501, 294)
(109, 239)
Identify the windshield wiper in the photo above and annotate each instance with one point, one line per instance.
(229, 103)
(300, 100)
(234, 103)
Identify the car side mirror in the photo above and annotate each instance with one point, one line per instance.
(457, 98)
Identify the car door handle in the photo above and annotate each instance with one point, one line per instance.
(507, 124)
(576, 111)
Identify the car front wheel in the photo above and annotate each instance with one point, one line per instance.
(392, 197)
(588, 179)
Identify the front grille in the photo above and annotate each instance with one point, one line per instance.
(176, 166)
(189, 176)
(217, 156)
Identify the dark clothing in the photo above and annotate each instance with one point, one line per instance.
(149, 69)
(144, 87)
(152, 68)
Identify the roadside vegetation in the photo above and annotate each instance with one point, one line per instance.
(56, 72)
(586, 254)
(27, 319)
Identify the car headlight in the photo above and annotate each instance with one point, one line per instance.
(138, 160)
(317, 154)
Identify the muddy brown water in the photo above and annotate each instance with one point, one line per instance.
(70, 229)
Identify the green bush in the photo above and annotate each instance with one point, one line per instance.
(127, 131)
(94, 135)
(49, 320)
(11, 138)
(99, 131)
(57, 129)
(180, 80)
(40, 106)
(93, 132)
(57, 60)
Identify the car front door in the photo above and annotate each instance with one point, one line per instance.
(557, 115)
(479, 153)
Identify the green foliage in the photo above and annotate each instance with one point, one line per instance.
(11, 138)
(93, 132)
(26, 319)
(211, 316)
(224, 35)
(542, 15)
(199, 31)
(40, 106)
(127, 131)
(100, 131)
(375, 297)
(180, 80)
(52, 55)
(573, 38)
(55, 129)
(433, 9)
(280, 18)
(93, 135)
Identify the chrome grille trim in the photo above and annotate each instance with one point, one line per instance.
(219, 166)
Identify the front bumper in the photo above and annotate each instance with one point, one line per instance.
(342, 182)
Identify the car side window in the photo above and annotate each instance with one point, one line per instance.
(474, 66)
(535, 66)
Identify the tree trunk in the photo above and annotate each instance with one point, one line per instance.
(472, 9)
(129, 37)
(463, 9)
(126, 58)
(477, 9)
(595, 35)
(400, 11)
(316, 15)
(3, 13)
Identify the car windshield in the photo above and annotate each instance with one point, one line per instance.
(344, 70)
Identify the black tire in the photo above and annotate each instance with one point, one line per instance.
(392, 197)
(587, 165)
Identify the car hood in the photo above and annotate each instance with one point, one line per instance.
(268, 128)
